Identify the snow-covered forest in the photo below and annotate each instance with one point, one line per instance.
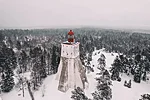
(117, 64)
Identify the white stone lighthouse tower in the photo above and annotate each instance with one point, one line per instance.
(71, 73)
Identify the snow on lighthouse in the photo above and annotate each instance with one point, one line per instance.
(71, 73)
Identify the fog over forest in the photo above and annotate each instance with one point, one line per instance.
(75, 13)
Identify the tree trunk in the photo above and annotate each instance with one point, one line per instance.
(22, 89)
(29, 89)
(48, 67)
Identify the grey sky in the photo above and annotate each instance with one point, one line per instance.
(50, 13)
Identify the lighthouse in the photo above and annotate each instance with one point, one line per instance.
(71, 73)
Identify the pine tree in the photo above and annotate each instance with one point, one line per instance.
(58, 51)
(1, 37)
(137, 58)
(7, 80)
(145, 97)
(39, 66)
(116, 69)
(88, 64)
(18, 45)
(137, 74)
(124, 63)
(23, 61)
(89, 57)
(145, 68)
(54, 60)
(35, 73)
(2, 61)
(9, 42)
(144, 76)
(78, 94)
(129, 84)
(43, 67)
(9, 55)
(101, 61)
(48, 60)
(125, 83)
(103, 90)
(7, 63)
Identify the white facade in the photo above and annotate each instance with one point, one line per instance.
(70, 50)
(71, 73)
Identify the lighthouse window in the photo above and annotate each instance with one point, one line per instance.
(67, 53)
(71, 53)
(63, 51)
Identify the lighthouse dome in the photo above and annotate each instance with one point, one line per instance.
(70, 32)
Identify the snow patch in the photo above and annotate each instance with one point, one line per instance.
(51, 85)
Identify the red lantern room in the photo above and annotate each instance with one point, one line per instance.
(70, 36)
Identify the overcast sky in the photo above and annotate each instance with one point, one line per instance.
(51, 13)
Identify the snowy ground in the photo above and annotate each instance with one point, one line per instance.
(49, 87)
